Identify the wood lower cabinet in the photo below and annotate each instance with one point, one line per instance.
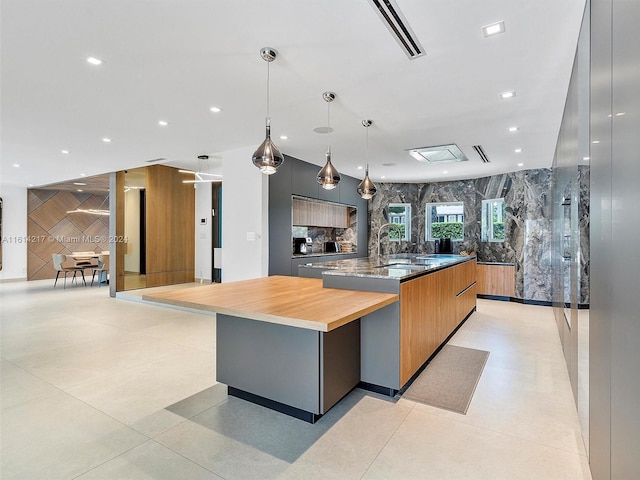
(431, 308)
(465, 302)
(496, 279)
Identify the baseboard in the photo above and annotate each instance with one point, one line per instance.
(525, 301)
(9, 280)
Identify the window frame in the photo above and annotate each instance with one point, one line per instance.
(487, 233)
(407, 223)
(428, 215)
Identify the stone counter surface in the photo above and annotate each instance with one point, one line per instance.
(400, 267)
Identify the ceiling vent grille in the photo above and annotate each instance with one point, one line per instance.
(480, 151)
(397, 24)
(438, 154)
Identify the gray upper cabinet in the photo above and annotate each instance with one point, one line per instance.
(303, 179)
(329, 195)
(349, 191)
(298, 178)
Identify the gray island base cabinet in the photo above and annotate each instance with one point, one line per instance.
(286, 343)
(300, 372)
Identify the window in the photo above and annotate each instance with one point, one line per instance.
(492, 229)
(444, 220)
(400, 214)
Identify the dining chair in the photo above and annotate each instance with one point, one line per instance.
(58, 265)
(103, 267)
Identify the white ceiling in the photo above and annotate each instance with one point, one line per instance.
(174, 59)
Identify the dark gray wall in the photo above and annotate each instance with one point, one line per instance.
(296, 177)
(615, 196)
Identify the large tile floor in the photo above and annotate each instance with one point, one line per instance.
(102, 388)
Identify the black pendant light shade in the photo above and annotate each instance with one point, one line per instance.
(367, 189)
(328, 176)
(267, 157)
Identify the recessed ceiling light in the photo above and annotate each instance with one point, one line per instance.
(17, 165)
(94, 61)
(521, 164)
(83, 174)
(509, 94)
(513, 129)
(518, 150)
(79, 184)
(79, 190)
(65, 152)
(619, 114)
(596, 141)
(215, 109)
(106, 140)
(586, 158)
(445, 171)
(359, 167)
(283, 137)
(493, 29)
(163, 123)
(383, 176)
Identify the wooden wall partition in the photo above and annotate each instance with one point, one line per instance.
(50, 229)
(170, 227)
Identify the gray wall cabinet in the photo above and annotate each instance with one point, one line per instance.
(296, 177)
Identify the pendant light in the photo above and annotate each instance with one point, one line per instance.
(267, 157)
(203, 175)
(367, 188)
(328, 177)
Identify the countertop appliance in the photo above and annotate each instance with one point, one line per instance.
(443, 245)
(302, 245)
(332, 247)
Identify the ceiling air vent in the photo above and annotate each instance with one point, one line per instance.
(480, 151)
(394, 20)
(438, 154)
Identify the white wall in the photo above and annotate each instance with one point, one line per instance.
(204, 240)
(14, 233)
(245, 214)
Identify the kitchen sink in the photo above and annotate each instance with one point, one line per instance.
(401, 265)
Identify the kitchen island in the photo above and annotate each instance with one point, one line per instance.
(436, 294)
(298, 345)
(287, 343)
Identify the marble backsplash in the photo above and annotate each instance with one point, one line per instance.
(528, 224)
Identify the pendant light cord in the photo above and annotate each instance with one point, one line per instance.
(328, 126)
(268, 119)
(366, 152)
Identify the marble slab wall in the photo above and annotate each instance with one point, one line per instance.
(528, 223)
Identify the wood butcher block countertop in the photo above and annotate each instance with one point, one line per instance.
(293, 301)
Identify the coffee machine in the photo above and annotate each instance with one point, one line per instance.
(302, 245)
(443, 245)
